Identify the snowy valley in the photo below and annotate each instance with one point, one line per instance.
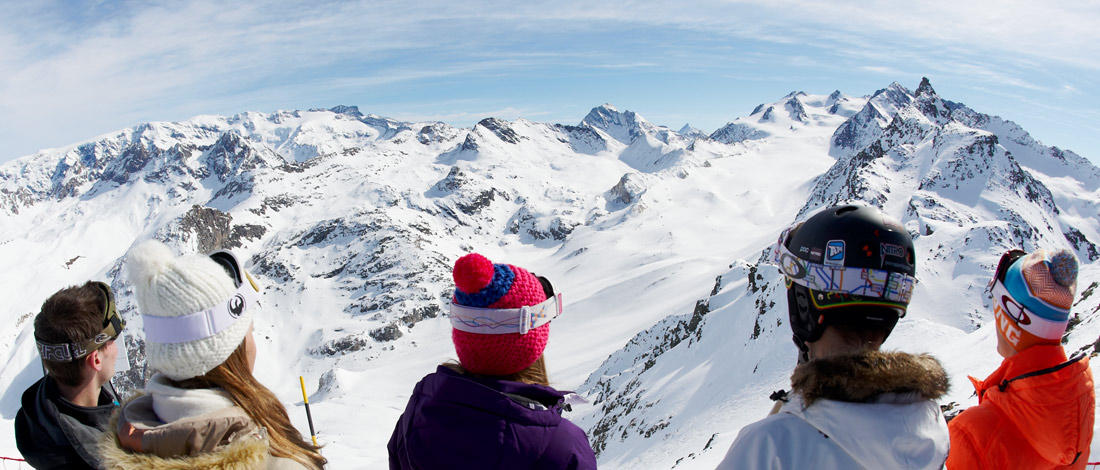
(674, 326)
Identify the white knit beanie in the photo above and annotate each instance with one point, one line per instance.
(170, 286)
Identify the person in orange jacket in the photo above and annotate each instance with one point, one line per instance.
(1036, 410)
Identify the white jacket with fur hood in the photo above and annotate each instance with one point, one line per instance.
(873, 410)
(189, 428)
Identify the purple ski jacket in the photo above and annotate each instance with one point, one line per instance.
(456, 421)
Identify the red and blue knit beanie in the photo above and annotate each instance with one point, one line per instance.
(480, 283)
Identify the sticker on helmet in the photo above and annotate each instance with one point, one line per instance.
(834, 253)
(889, 249)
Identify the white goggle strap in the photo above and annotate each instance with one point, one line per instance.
(1025, 318)
(867, 282)
(204, 324)
(499, 321)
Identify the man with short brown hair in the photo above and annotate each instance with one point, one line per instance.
(64, 414)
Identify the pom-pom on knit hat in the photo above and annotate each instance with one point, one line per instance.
(482, 284)
(169, 286)
(1044, 283)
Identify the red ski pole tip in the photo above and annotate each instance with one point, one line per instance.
(472, 273)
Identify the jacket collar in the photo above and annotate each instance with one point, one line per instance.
(1029, 360)
(173, 404)
(42, 404)
(494, 397)
(863, 377)
(224, 439)
(546, 395)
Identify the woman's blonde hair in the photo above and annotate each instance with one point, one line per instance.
(533, 374)
(235, 377)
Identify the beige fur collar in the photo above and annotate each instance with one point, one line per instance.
(238, 455)
(862, 377)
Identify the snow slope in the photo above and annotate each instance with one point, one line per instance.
(673, 328)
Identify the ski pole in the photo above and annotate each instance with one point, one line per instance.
(309, 416)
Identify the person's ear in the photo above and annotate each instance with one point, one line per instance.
(94, 361)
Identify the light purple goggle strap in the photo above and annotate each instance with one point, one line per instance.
(574, 399)
(499, 321)
(867, 282)
(201, 325)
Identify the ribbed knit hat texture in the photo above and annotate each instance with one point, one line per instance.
(1044, 282)
(480, 283)
(169, 286)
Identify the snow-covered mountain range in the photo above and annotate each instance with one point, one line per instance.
(675, 326)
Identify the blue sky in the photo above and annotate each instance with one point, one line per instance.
(72, 70)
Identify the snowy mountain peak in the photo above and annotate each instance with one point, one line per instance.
(349, 110)
(794, 111)
(925, 88)
(930, 103)
(607, 108)
(866, 125)
(607, 115)
(624, 126)
(502, 129)
(691, 132)
(892, 97)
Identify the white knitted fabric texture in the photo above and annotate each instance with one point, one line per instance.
(170, 286)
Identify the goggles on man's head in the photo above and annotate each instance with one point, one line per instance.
(1007, 259)
(1013, 299)
(840, 285)
(209, 322)
(113, 324)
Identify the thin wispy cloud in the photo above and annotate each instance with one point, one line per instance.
(881, 70)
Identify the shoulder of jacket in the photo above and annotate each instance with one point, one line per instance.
(568, 443)
(761, 444)
(783, 422)
(244, 453)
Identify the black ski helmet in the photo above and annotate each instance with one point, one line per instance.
(846, 265)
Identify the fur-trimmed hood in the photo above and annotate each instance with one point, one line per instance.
(871, 410)
(224, 439)
(864, 377)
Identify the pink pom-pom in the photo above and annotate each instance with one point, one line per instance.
(472, 273)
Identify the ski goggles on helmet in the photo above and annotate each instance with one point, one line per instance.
(113, 324)
(214, 320)
(841, 285)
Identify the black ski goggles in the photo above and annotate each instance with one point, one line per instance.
(1006, 262)
(113, 324)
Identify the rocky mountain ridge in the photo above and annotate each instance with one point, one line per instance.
(351, 222)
